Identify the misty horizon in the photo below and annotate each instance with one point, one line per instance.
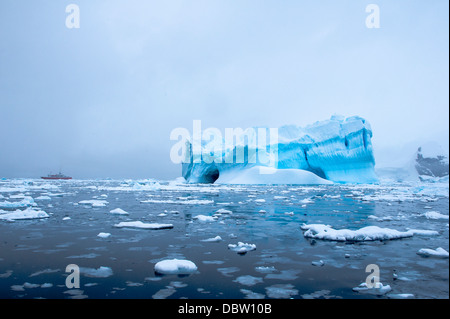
(100, 101)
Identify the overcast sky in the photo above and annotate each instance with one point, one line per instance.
(101, 100)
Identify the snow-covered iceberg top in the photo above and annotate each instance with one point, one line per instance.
(337, 150)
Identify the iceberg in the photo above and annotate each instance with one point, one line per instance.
(335, 150)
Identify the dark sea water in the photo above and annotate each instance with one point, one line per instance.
(34, 253)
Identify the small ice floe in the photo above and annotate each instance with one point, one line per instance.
(94, 202)
(139, 224)
(184, 202)
(6, 274)
(438, 252)
(26, 285)
(227, 271)
(318, 294)
(379, 289)
(205, 218)
(265, 269)
(162, 215)
(423, 232)
(104, 235)
(248, 280)
(66, 218)
(45, 271)
(281, 291)
(212, 240)
(288, 274)
(260, 200)
(175, 267)
(87, 256)
(289, 213)
(262, 211)
(381, 219)
(369, 233)
(306, 201)
(242, 248)
(251, 295)
(118, 211)
(27, 201)
(28, 213)
(43, 198)
(435, 215)
(318, 263)
(101, 272)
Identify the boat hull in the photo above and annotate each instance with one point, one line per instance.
(53, 178)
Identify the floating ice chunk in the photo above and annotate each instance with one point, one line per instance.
(94, 202)
(104, 235)
(224, 211)
(164, 293)
(265, 269)
(435, 215)
(102, 272)
(306, 201)
(251, 295)
(281, 291)
(185, 202)
(227, 271)
(438, 252)
(175, 267)
(378, 290)
(248, 280)
(205, 218)
(423, 232)
(139, 224)
(318, 294)
(118, 211)
(400, 296)
(260, 200)
(66, 218)
(43, 198)
(369, 233)
(318, 263)
(46, 285)
(242, 248)
(28, 213)
(27, 201)
(212, 240)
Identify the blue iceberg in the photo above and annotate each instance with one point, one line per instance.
(336, 150)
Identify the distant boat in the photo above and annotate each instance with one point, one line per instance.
(56, 176)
